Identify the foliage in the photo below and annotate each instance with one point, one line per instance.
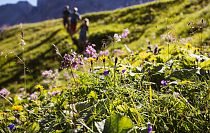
(163, 88)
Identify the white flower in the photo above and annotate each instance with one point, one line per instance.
(117, 37)
(22, 42)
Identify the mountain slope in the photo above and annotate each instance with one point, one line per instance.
(147, 23)
(47, 9)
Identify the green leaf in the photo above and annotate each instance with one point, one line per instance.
(93, 95)
(35, 127)
(11, 118)
(117, 124)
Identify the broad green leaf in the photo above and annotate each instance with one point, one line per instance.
(35, 127)
(117, 123)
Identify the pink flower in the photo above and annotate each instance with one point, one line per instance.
(34, 96)
(4, 92)
(90, 50)
(47, 74)
(104, 53)
(125, 33)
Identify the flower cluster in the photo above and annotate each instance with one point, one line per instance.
(4, 92)
(170, 38)
(54, 93)
(103, 55)
(164, 82)
(47, 74)
(118, 37)
(71, 60)
(125, 33)
(11, 127)
(17, 107)
(91, 51)
(33, 96)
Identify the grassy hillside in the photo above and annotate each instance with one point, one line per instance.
(178, 18)
(158, 82)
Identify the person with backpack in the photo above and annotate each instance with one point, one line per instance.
(66, 18)
(75, 17)
(83, 34)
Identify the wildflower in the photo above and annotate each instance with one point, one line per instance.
(91, 59)
(34, 96)
(117, 37)
(149, 128)
(106, 72)
(22, 42)
(47, 74)
(22, 89)
(4, 92)
(67, 60)
(39, 87)
(144, 55)
(103, 58)
(118, 52)
(91, 51)
(199, 57)
(189, 45)
(176, 94)
(17, 108)
(164, 82)
(185, 40)
(123, 71)
(54, 93)
(104, 53)
(168, 38)
(125, 33)
(11, 126)
(74, 65)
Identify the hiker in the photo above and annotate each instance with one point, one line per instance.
(83, 34)
(66, 18)
(75, 16)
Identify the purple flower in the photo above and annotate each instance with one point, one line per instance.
(22, 89)
(125, 33)
(54, 93)
(118, 52)
(71, 60)
(33, 96)
(106, 72)
(90, 50)
(47, 74)
(104, 53)
(4, 92)
(164, 82)
(123, 71)
(149, 128)
(11, 126)
(74, 65)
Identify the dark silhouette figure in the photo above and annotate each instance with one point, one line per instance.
(66, 18)
(75, 17)
(83, 34)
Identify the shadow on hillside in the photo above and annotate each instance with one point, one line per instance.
(44, 61)
(32, 47)
(99, 39)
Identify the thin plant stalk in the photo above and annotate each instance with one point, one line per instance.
(24, 70)
(168, 51)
